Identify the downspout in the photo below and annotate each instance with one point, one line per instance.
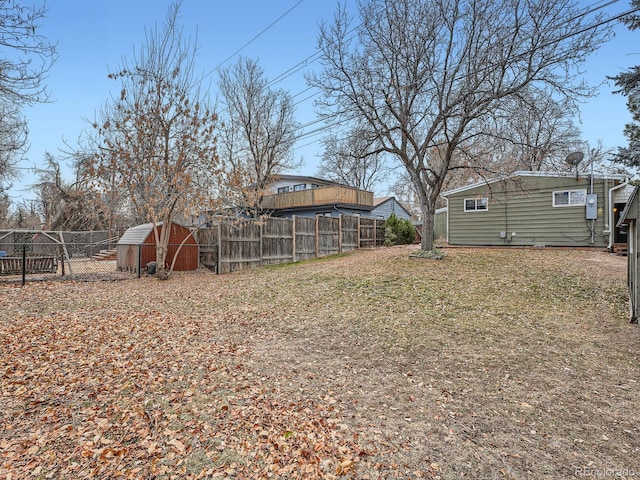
(446, 199)
(610, 211)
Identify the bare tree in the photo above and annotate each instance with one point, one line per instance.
(629, 83)
(27, 57)
(26, 216)
(533, 131)
(353, 159)
(259, 132)
(5, 210)
(156, 141)
(425, 74)
(404, 192)
(68, 205)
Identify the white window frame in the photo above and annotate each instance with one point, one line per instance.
(284, 189)
(299, 186)
(476, 201)
(575, 198)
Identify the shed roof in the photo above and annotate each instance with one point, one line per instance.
(630, 209)
(526, 173)
(136, 235)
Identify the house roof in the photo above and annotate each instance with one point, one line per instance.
(303, 178)
(526, 173)
(381, 200)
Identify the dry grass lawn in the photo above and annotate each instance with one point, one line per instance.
(488, 364)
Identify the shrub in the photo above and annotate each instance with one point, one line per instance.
(398, 231)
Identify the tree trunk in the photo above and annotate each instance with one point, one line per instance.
(161, 255)
(162, 247)
(428, 224)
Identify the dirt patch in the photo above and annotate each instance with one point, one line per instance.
(486, 364)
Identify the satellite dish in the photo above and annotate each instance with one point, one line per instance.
(574, 158)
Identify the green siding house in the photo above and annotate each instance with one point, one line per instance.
(539, 209)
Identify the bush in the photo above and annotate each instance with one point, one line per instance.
(398, 231)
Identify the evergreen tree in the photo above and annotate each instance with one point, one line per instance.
(629, 83)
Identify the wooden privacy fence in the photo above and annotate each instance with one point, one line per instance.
(234, 245)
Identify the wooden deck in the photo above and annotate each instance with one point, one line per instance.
(620, 248)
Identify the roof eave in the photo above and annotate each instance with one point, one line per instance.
(527, 173)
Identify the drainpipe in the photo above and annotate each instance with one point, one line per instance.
(446, 199)
(610, 211)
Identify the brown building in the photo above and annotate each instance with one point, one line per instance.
(137, 248)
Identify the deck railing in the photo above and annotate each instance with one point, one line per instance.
(318, 196)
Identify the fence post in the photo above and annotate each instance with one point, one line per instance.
(24, 263)
(317, 237)
(219, 252)
(293, 239)
(260, 232)
(375, 232)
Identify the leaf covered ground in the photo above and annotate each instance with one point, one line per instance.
(490, 363)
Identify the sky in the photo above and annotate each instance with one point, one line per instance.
(93, 38)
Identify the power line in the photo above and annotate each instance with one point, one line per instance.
(258, 35)
(589, 10)
(314, 57)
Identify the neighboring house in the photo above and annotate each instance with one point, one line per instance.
(295, 183)
(384, 207)
(310, 196)
(539, 209)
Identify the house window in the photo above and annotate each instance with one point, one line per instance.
(283, 189)
(300, 186)
(476, 204)
(570, 198)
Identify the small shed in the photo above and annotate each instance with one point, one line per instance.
(630, 216)
(137, 248)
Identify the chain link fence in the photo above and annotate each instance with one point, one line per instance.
(28, 256)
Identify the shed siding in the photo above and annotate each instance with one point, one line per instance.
(526, 209)
(440, 224)
(630, 216)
